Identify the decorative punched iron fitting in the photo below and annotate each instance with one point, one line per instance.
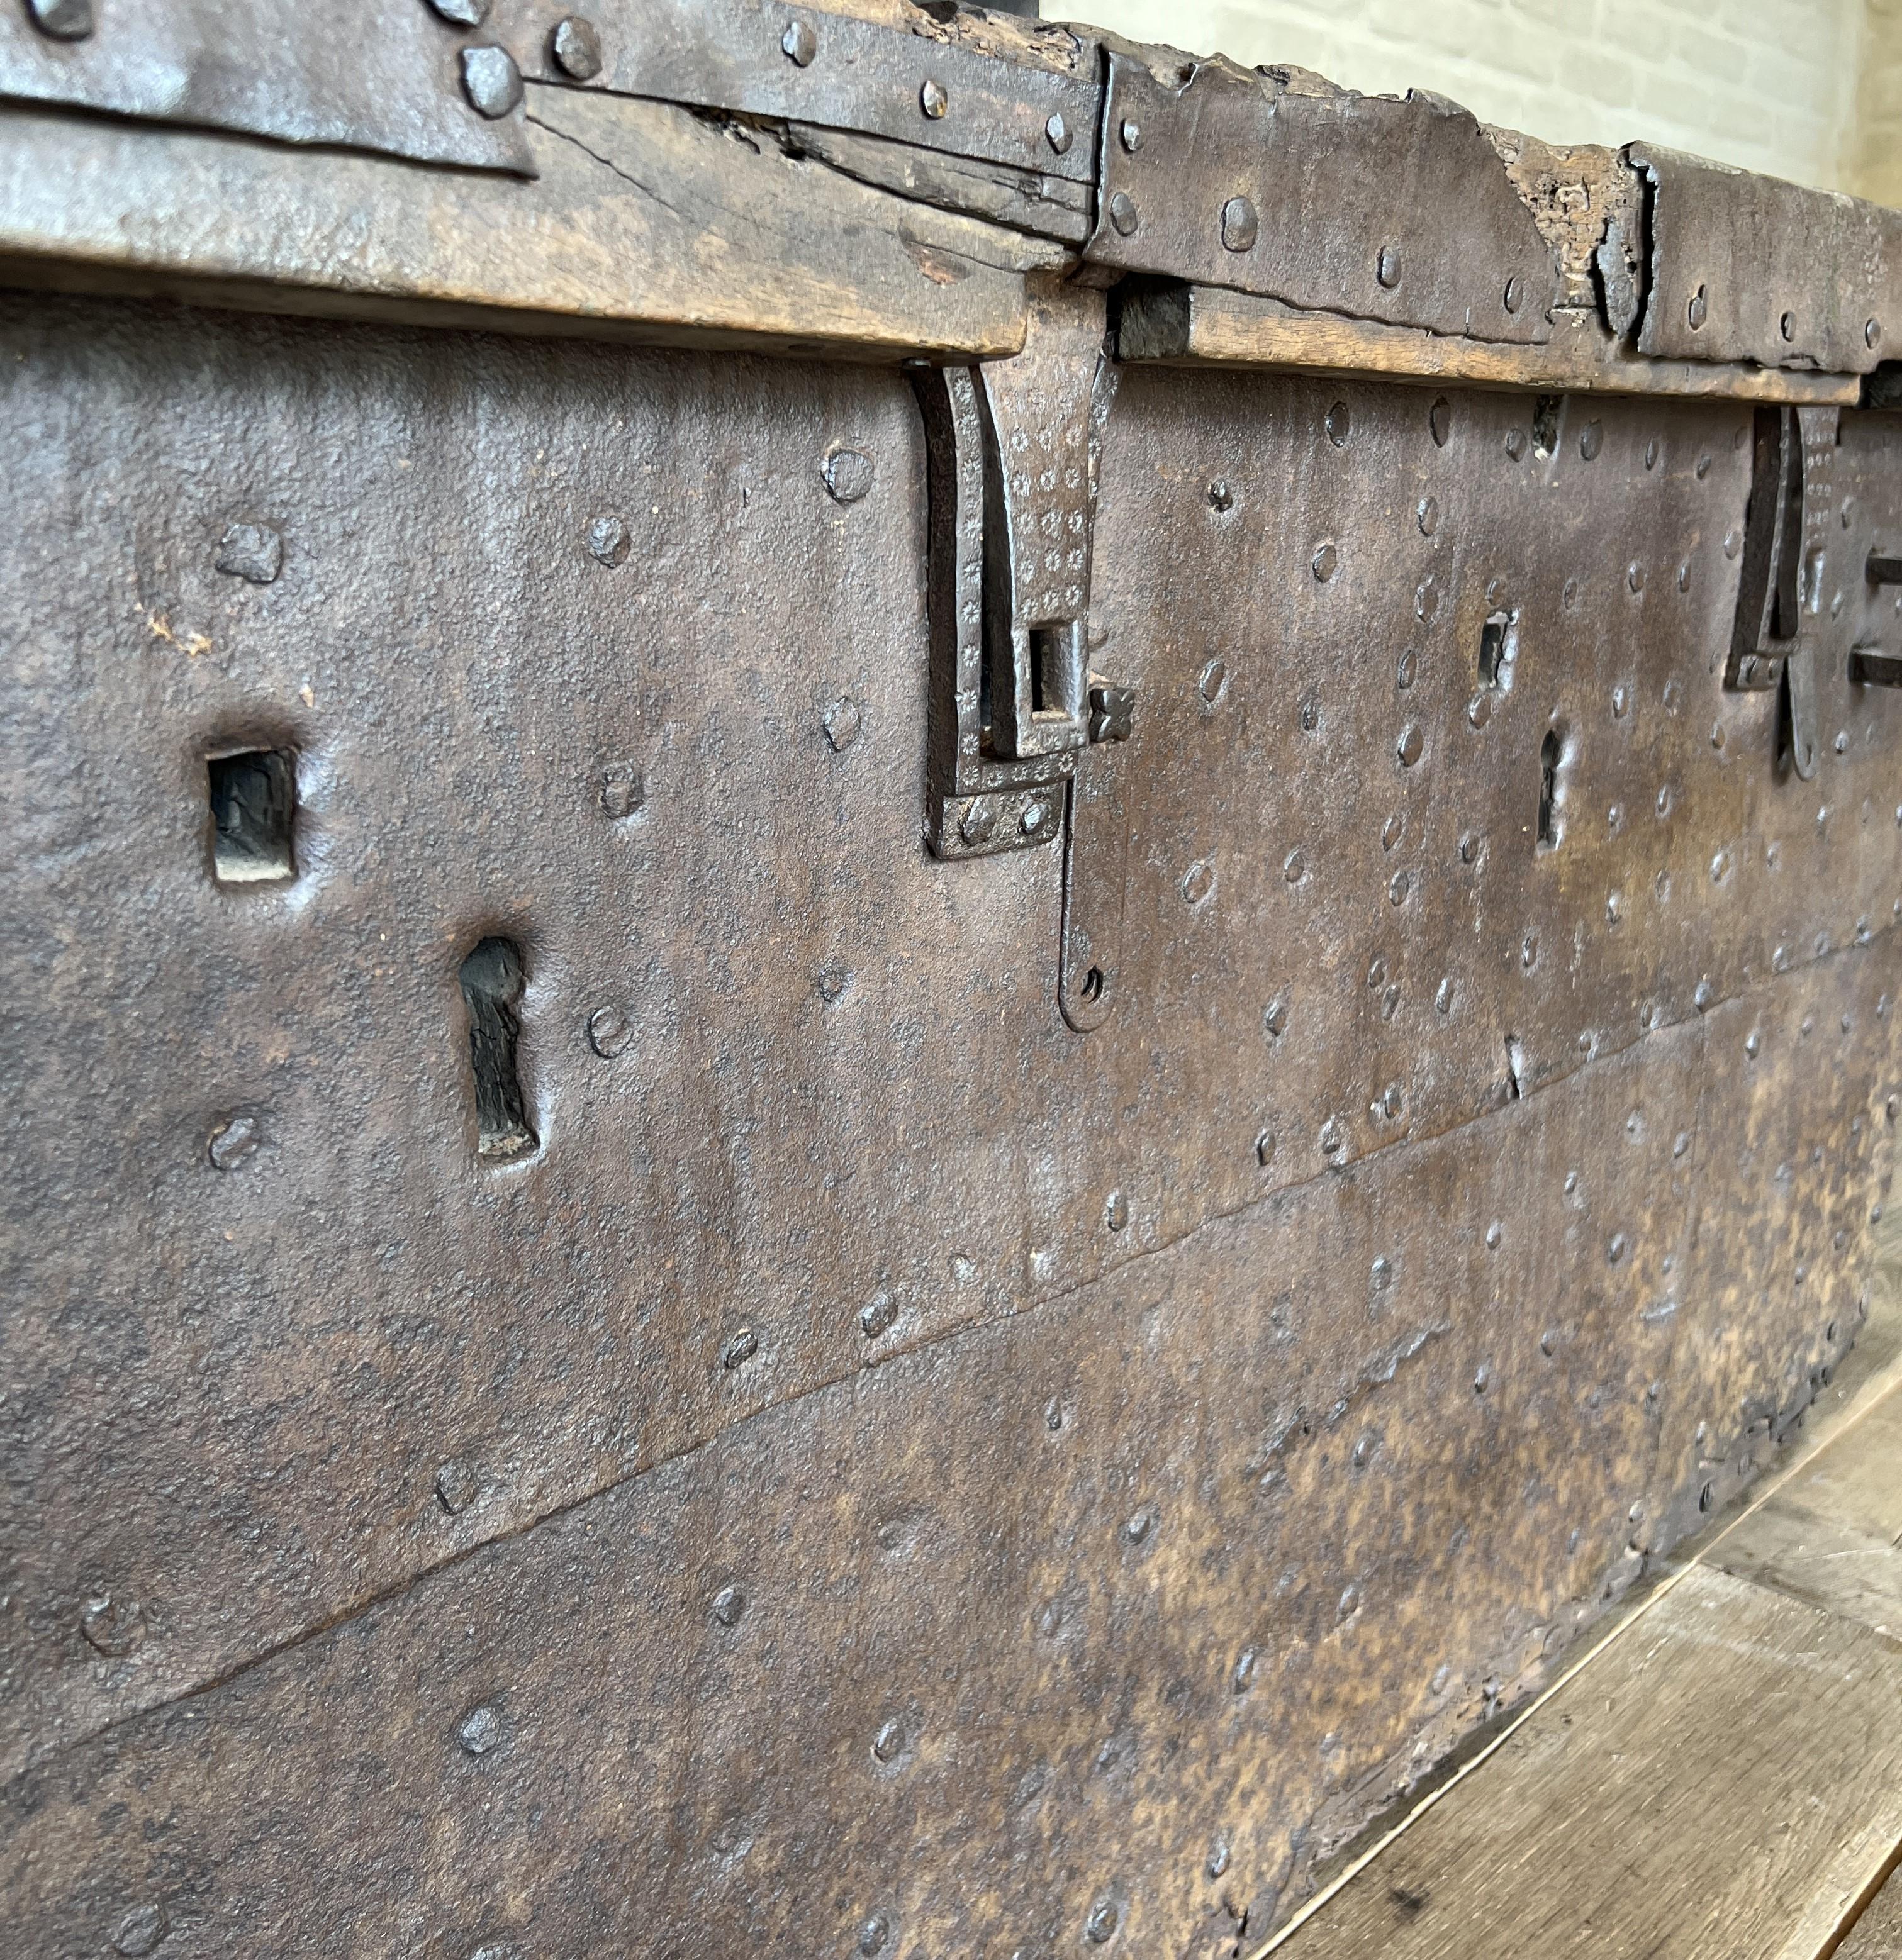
(1013, 448)
(1785, 561)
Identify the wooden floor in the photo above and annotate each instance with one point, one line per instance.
(1721, 1778)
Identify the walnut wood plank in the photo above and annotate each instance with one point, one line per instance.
(645, 222)
(1725, 1778)
(1206, 326)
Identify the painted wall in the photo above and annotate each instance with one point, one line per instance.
(1810, 90)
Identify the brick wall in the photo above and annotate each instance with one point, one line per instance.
(1775, 85)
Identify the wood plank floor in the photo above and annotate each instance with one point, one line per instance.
(1721, 1780)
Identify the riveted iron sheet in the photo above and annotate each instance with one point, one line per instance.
(364, 74)
(804, 1098)
(1394, 210)
(624, 660)
(807, 64)
(1096, 1626)
(1794, 1148)
(1746, 268)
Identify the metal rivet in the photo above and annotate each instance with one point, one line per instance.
(1213, 678)
(1340, 425)
(1198, 882)
(65, 20)
(491, 82)
(609, 541)
(1787, 326)
(1387, 267)
(872, 1936)
(1592, 440)
(1651, 453)
(1635, 576)
(1326, 560)
(254, 552)
(1426, 599)
(1429, 515)
(1515, 292)
(1131, 133)
(1515, 444)
(1221, 498)
(932, 99)
(1265, 1147)
(1240, 226)
(140, 1931)
(843, 723)
(1406, 668)
(889, 1741)
(113, 1627)
(1872, 333)
(978, 822)
(1479, 710)
(799, 44)
(1123, 213)
(1733, 543)
(457, 1486)
(1035, 812)
(1439, 421)
(462, 13)
(848, 475)
(1102, 1923)
(1412, 746)
(233, 1141)
(1294, 867)
(576, 48)
(741, 1348)
(1699, 309)
(1275, 1019)
(623, 790)
(480, 1730)
(609, 1032)
(1057, 134)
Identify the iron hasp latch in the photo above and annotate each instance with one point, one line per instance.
(1785, 561)
(1013, 447)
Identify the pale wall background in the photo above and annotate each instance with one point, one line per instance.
(1810, 90)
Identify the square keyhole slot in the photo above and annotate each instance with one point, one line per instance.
(254, 801)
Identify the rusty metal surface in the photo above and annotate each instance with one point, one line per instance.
(609, 1339)
(1746, 267)
(1100, 1624)
(400, 87)
(1394, 210)
(631, 1330)
(808, 65)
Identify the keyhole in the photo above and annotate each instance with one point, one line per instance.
(492, 978)
(1548, 788)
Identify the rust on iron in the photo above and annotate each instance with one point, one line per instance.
(634, 1326)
